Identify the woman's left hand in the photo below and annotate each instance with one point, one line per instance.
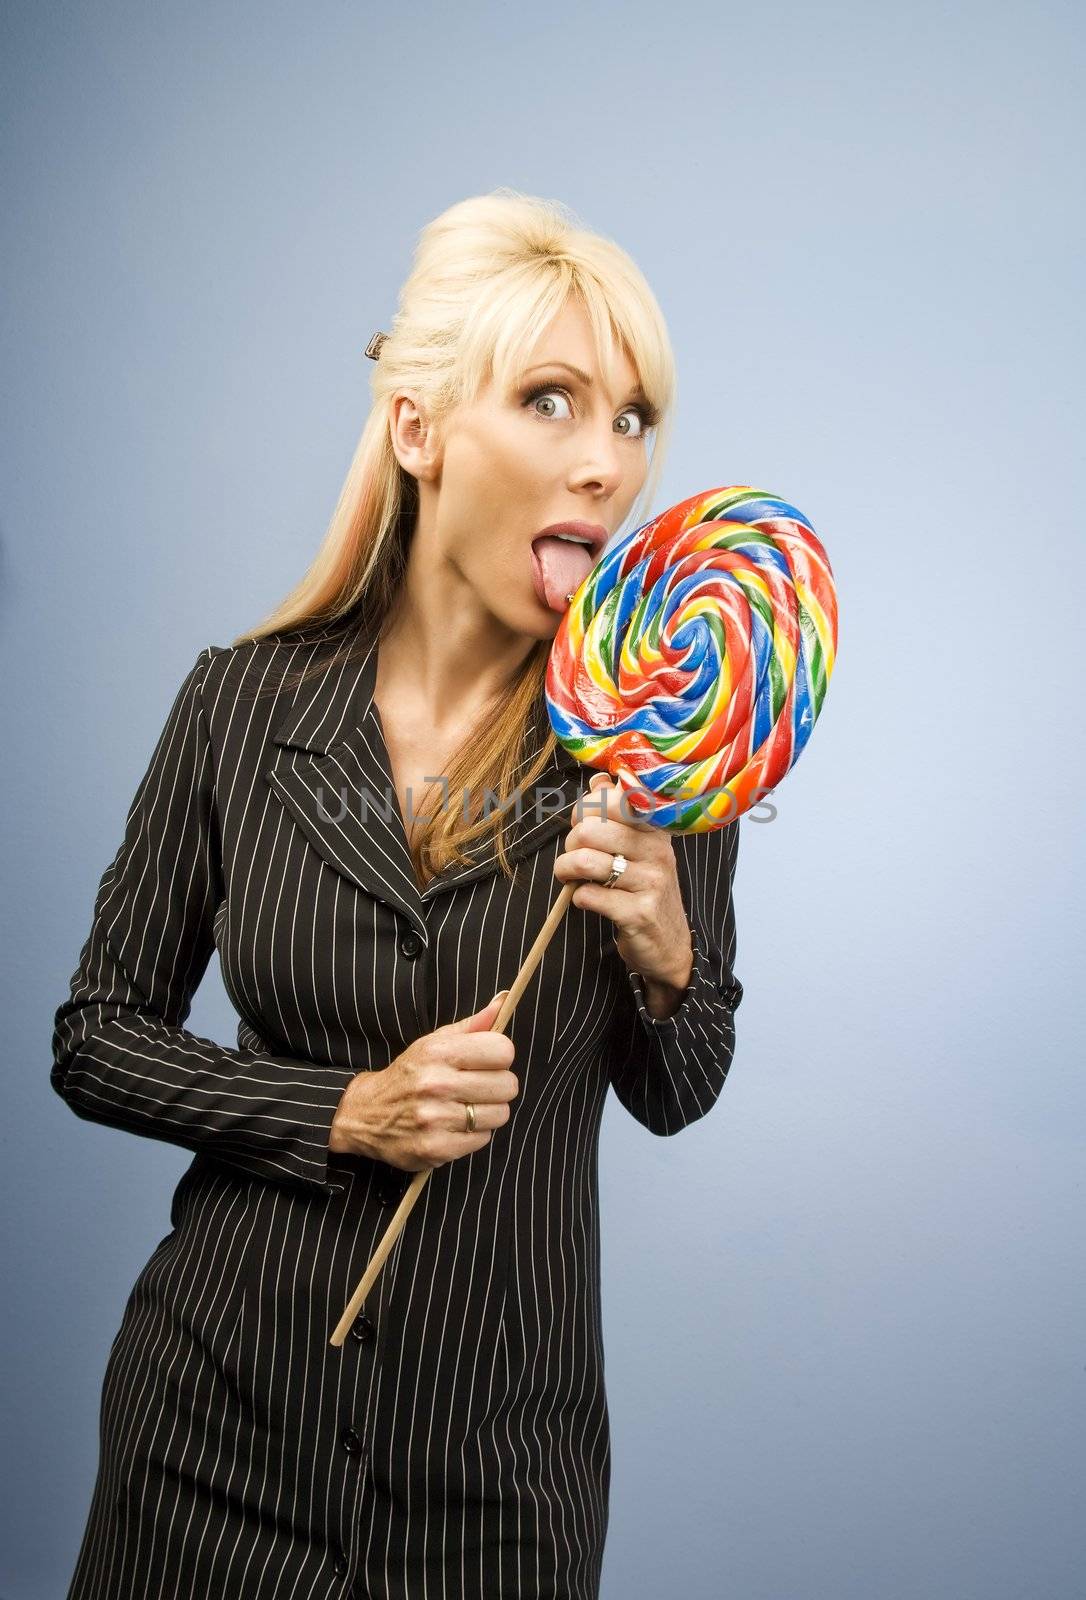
(645, 903)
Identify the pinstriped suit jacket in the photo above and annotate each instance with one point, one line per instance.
(458, 1443)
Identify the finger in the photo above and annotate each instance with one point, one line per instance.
(484, 1088)
(585, 864)
(625, 910)
(479, 1021)
(609, 839)
(607, 805)
(483, 1052)
(487, 1121)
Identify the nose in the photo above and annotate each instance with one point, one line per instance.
(603, 465)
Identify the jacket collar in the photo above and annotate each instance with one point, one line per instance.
(333, 774)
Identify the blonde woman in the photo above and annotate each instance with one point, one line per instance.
(361, 805)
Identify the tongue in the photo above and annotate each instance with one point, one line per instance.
(563, 567)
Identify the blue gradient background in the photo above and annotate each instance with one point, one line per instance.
(844, 1313)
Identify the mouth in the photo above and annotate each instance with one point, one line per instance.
(563, 555)
(593, 535)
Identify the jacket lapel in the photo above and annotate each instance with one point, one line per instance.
(333, 774)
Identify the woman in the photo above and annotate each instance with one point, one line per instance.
(320, 808)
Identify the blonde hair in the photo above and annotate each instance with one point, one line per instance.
(488, 276)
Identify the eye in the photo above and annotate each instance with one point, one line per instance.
(639, 413)
(545, 392)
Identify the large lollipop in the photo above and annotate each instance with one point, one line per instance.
(691, 667)
(695, 656)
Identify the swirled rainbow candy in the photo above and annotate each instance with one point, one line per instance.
(694, 658)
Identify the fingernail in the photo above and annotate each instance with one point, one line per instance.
(501, 994)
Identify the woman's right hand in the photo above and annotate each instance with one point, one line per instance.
(411, 1114)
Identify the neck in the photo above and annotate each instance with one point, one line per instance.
(444, 663)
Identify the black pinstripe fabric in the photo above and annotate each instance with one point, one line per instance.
(458, 1444)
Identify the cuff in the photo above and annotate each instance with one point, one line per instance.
(700, 974)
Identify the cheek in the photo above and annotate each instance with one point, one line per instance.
(498, 519)
(632, 487)
(498, 490)
(502, 481)
(520, 490)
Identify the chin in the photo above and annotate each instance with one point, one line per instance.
(548, 623)
(534, 621)
(544, 628)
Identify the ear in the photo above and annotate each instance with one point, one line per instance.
(414, 439)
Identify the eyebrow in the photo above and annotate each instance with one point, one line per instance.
(636, 393)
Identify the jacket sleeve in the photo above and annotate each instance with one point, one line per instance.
(668, 1071)
(120, 1053)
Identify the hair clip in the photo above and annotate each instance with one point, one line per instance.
(373, 349)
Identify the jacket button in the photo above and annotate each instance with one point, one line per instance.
(340, 1563)
(410, 945)
(361, 1328)
(351, 1440)
(390, 1190)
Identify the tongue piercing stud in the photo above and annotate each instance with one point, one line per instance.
(569, 596)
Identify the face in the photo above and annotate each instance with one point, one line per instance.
(557, 447)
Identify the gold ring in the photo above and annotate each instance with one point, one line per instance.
(471, 1118)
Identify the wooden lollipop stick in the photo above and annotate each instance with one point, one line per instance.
(415, 1188)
